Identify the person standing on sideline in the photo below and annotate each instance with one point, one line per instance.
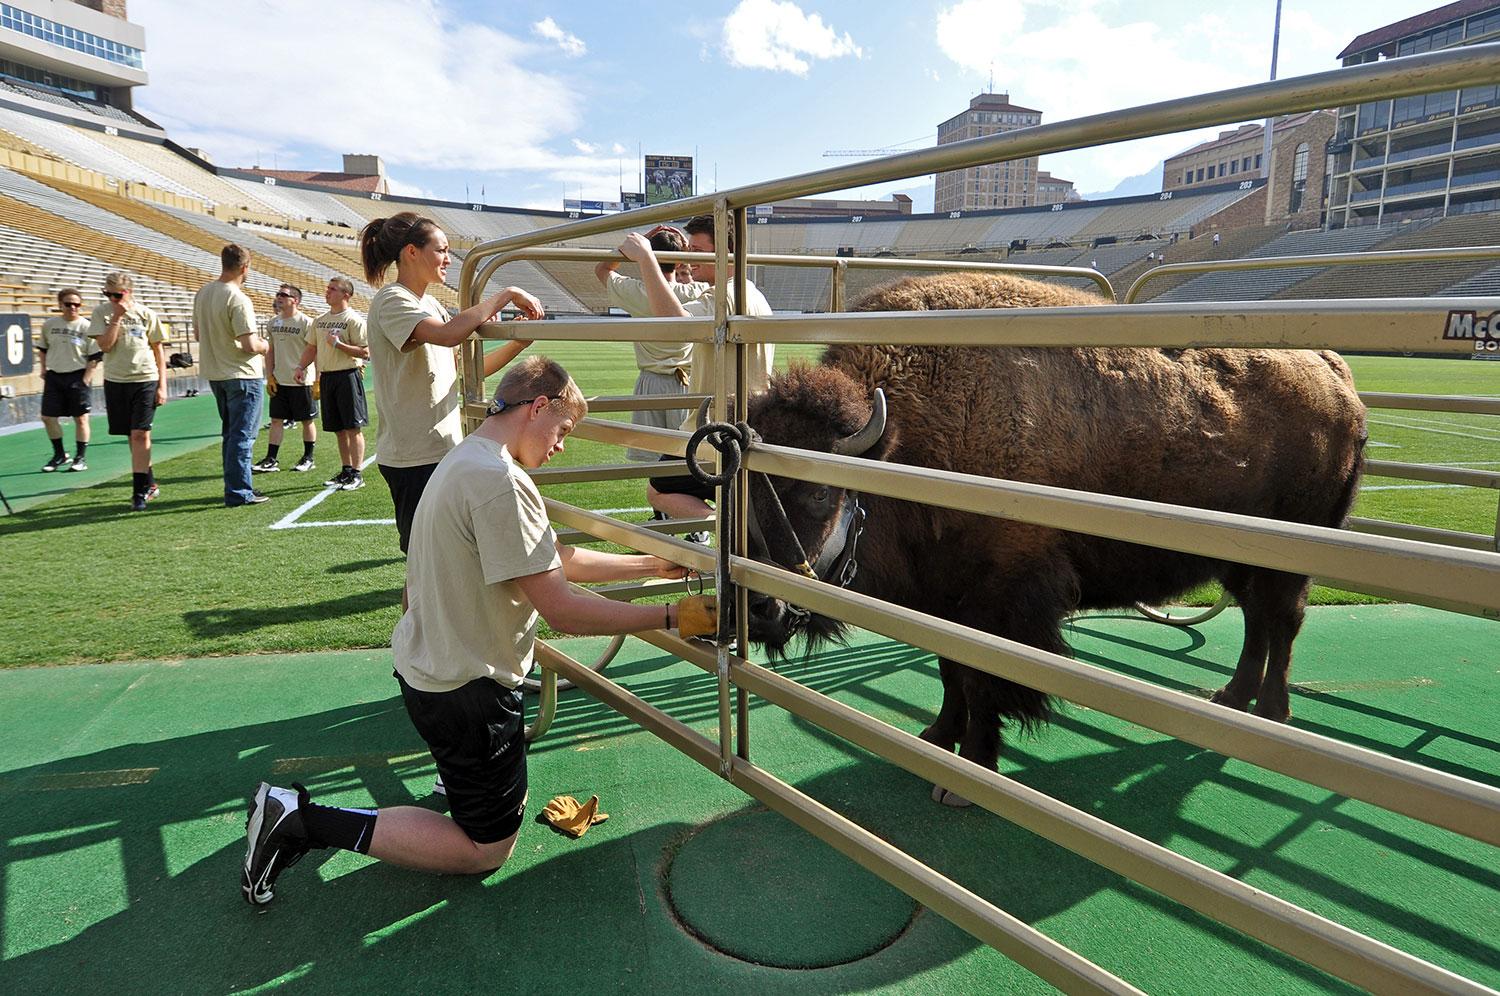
(289, 333)
(340, 349)
(232, 358)
(135, 376)
(67, 359)
(485, 567)
(665, 367)
(411, 349)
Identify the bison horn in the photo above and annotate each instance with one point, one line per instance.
(862, 441)
(703, 411)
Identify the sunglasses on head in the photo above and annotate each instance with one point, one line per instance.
(114, 295)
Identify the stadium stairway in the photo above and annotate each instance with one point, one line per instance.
(1409, 279)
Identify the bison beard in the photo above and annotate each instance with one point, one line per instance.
(1272, 433)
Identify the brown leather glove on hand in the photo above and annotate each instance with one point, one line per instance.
(270, 383)
(565, 814)
(697, 616)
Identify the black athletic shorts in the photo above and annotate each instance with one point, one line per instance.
(477, 734)
(129, 405)
(406, 484)
(344, 404)
(65, 395)
(294, 402)
(683, 484)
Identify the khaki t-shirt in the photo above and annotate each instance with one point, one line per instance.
(222, 313)
(416, 391)
(66, 344)
(130, 360)
(629, 295)
(351, 329)
(759, 356)
(480, 525)
(289, 336)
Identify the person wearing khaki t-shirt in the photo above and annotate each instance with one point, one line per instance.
(135, 376)
(682, 497)
(484, 568)
(664, 366)
(231, 355)
(289, 334)
(67, 358)
(339, 348)
(411, 352)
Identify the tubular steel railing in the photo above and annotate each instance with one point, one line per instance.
(1463, 580)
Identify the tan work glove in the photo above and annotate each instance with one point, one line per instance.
(317, 392)
(271, 383)
(565, 814)
(697, 616)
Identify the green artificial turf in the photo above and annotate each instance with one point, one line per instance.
(123, 786)
(88, 580)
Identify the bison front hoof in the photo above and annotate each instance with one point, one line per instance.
(1226, 697)
(948, 798)
(1273, 713)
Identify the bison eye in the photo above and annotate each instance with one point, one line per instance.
(820, 496)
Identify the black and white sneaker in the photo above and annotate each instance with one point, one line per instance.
(303, 466)
(257, 498)
(78, 464)
(438, 788)
(353, 482)
(338, 479)
(701, 537)
(56, 463)
(266, 466)
(275, 840)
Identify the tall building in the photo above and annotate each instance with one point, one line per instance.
(73, 56)
(1426, 156)
(1054, 189)
(999, 185)
(1299, 163)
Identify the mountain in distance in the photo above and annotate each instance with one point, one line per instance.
(1148, 182)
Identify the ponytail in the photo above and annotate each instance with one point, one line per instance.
(381, 242)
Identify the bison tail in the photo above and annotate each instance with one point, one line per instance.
(1350, 489)
(1028, 708)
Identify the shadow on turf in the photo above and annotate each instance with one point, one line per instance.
(207, 623)
(354, 567)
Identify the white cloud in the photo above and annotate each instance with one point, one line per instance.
(777, 34)
(401, 188)
(932, 74)
(618, 149)
(1064, 59)
(571, 45)
(585, 147)
(430, 105)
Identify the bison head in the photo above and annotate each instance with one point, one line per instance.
(812, 408)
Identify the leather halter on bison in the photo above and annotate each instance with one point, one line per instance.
(1272, 433)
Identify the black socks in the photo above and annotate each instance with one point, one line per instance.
(57, 450)
(347, 829)
(79, 446)
(140, 483)
(307, 449)
(271, 450)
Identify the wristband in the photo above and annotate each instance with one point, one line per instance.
(669, 616)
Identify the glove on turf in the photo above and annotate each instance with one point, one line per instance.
(565, 814)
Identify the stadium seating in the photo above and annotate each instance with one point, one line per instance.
(44, 267)
(1257, 285)
(75, 146)
(1410, 279)
(206, 186)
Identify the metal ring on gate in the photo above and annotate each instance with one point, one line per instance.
(533, 682)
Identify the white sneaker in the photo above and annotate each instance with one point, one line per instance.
(438, 788)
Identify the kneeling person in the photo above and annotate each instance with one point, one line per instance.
(291, 401)
(483, 567)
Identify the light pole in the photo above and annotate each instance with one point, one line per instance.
(1271, 121)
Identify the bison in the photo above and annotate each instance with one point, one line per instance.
(1272, 433)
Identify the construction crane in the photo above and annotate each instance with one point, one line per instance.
(861, 153)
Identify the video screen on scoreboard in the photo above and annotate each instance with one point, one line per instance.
(668, 178)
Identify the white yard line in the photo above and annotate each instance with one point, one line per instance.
(290, 520)
(1472, 434)
(1409, 487)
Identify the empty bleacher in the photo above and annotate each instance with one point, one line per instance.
(1410, 279)
(75, 146)
(44, 267)
(1257, 285)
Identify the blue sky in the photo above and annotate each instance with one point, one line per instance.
(532, 101)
